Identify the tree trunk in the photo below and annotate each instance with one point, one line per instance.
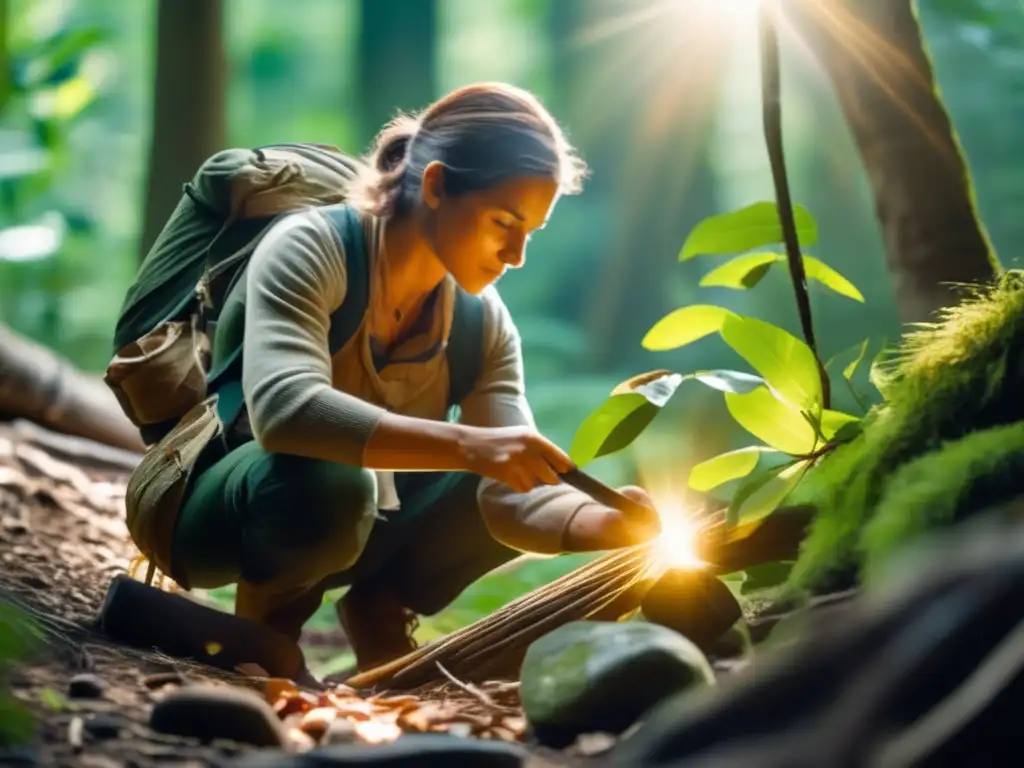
(37, 385)
(188, 103)
(874, 53)
(397, 54)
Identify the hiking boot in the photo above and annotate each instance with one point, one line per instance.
(378, 626)
(287, 613)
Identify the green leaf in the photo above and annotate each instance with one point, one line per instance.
(786, 363)
(765, 576)
(685, 326)
(729, 381)
(741, 272)
(751, 227)
(772, 421)
(622, 417)
(815, 269)
(832, 422)
(764, 494)
(847, 432)
(725, 467)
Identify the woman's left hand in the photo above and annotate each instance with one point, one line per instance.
(597, 527)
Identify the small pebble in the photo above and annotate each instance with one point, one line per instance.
(86, 686)
(208, 712)
(104, 725)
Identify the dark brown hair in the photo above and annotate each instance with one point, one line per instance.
(484, 134)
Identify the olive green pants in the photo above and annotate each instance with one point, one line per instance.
(295, 527)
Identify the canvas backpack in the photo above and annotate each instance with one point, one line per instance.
(162, 373)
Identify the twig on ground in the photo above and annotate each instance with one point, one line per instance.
(475, 692)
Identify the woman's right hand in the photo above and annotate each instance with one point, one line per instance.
(519, 457)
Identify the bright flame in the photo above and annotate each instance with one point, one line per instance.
(677, 545)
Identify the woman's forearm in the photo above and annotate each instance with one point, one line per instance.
(406, 443)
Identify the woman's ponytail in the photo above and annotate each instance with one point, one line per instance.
(378, 187)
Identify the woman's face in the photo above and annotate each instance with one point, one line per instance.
(477, 236)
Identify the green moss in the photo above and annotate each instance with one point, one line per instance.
(945, 381)
(976, 472)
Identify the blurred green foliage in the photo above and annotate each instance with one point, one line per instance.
(666, 115)
(16, 642)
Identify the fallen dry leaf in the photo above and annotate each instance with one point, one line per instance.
(440, 708)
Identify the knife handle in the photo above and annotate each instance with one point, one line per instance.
(602, 493)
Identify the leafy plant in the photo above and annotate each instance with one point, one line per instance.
(786, 404)
(783, 404)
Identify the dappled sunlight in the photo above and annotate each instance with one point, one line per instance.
(886, 65)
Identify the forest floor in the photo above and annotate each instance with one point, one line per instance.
(62, 540)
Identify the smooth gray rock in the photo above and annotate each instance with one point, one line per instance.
(86, 686)
(603, 676)
(209, 712)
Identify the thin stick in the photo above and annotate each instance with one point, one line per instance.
(772, 117)
(476, 693)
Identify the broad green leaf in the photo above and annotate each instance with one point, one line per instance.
(847, 432)
(685, 326)
(725, 467)
(786, 363)
(751, 227)
(815, 269)
(772, 421)
(741, 272)
(765, 576)
(833, 421)
(764, 497)
(851, 368)
(622, 417)
(594, 435)
(729, 381)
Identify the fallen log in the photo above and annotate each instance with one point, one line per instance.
(38, 385)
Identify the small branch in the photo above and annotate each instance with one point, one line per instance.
(475, 692)
(772, 117)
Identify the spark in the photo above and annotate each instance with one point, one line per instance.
(677, 545)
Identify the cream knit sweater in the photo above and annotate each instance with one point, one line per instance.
(303, 401)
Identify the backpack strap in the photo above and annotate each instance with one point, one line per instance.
(226, 378)
(465, 345)
(346, 319)
(465, 340)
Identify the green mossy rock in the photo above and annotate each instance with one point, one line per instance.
(948, 422)
(590, 676)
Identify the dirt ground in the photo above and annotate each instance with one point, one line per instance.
(62, 539)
